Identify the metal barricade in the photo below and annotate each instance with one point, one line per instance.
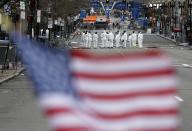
(3, 55)
(8, 55)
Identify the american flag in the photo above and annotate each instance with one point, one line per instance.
(83, 91)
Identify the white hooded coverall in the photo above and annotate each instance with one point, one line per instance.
(124, 39)
(108, 42)
(130, 40)
(117, 40)
(86, 40)
(111, 39)
(95, 40)
(104, 39)
(90, 40)
(134, 39)
(140, 40)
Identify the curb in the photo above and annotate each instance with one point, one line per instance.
(166, 38)
(17, 73)
(180, 44)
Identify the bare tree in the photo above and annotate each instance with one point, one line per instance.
(66, 7)
(3, 2)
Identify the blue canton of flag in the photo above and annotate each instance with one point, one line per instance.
(48, 68)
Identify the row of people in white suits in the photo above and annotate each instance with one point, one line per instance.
(86, 39)
(134, 39)
(130, 40)
(108, 39)
(90, 40)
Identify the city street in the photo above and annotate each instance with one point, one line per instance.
(80, 91)
(19, 110)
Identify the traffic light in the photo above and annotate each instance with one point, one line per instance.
(107, 1)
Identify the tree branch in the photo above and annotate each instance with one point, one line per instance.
(3, 2)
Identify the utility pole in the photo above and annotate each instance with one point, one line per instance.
(4, 2)
(37, 24)
(50, 18)
(30, 18)
(38, 13)
(55, 17)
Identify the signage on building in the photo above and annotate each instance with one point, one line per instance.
(59, 20)
(56, 22)
(50, 23)
(22, 5)
(38, 16)
(176, 29)
(22, 15)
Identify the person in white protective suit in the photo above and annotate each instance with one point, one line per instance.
(111, 39)
(86, 40)
(140, 40)
(134, 39)
(101, 36)
(89, 39)
(47, 33)
(130, 40)
(118, 39)
(95, 40)
(124, 39)
(104, 39)
(108, 42)
(83, 38)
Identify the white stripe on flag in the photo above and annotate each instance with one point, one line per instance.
(138, 103)
(120, 86)
(79, 65)
(74, 120)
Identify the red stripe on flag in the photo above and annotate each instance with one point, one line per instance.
(59, 110)
(128, 95)
(128, 115)
(72, 129)
(91, 56)
(129, 75)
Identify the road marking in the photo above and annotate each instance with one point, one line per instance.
(179, 98)
(182, 65)
(187, 65)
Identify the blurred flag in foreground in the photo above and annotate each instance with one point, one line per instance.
(82, 91)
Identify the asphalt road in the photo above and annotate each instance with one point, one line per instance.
(19, 111)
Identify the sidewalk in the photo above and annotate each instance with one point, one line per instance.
(174, 41)
(10, 74)
(168, 38)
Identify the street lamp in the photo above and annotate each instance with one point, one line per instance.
(189, 27)
(164, 19)
(172, 5)
(38, 16)
(181, 6)
(190, 13)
